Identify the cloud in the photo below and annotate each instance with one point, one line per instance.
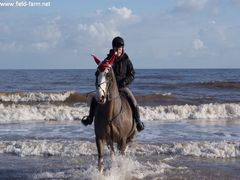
(4, 29)
(234, 3)
(48, 36)
(212, 22)
(191, 5)
(76, 34)
(26, 34)
(221, 41)
(10, 46)
(159, 38)
(198, 44)
(117, 16)
(41, 45)
(99, 30)
(122, 12)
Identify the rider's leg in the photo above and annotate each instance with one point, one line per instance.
(134, 105)
(87, 120)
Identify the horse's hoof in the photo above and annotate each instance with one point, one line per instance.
(100, 169)
(112, 157)
(100, 166)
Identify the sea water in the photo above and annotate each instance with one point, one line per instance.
(192, 120)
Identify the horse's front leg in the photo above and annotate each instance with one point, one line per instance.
(100, 148)
(112, 151)
(123, 146)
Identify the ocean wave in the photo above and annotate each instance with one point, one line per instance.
(74, 148)
(221, 84)
(42, 112)
(218, 85)
(47, 148)
(203, 111)
(73, 97)
(207, 84)
(207, 149)
(153, 99)
(34, 96)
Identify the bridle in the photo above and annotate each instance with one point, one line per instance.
(109, 98)
(109, 82)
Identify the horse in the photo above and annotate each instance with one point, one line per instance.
(113, 121)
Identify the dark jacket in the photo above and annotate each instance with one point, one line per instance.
(123, 70)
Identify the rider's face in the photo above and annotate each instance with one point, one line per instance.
(118, 50)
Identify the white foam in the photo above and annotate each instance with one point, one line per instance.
(208, 149)
(42, 112)
(34, 96)
(47, 111)
(69, 148)
(120, 168)
(49, 175)
(47, 148)
(204, 111)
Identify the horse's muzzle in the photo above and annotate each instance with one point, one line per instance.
(102, 100)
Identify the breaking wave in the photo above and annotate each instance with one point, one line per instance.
(72, 97)
(207, 149)
(34, 96)
(70, 148)
(69, 97)
(203, 111)
(41, 112)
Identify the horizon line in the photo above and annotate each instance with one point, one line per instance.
(95, 69)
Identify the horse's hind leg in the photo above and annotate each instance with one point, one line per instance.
(100, 148)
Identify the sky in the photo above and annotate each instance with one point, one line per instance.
(54, 34)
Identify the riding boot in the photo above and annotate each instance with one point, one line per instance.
(87, 120)
(139, 123)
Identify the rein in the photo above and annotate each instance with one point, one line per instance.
(109, 99)
(111, 126)
(87, 94)
(111, 120)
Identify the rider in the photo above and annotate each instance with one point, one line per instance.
(124, 73)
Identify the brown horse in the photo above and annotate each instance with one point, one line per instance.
(113, 117)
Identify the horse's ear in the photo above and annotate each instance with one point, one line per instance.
(111, 60)
(96, 59)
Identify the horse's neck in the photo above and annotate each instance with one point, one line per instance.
(115, 100)
(114, 88)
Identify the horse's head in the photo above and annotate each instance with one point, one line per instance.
(104, 79)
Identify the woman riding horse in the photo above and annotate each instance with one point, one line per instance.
(124, 73)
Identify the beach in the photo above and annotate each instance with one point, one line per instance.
(192, 119)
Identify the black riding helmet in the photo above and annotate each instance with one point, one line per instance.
(117, 42)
